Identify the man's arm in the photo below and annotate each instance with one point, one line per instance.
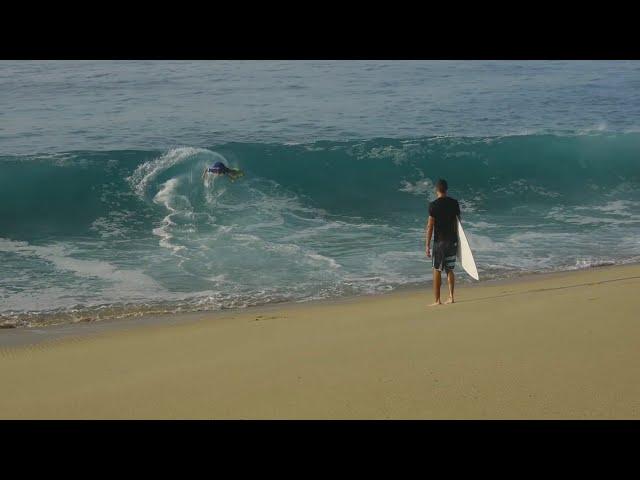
(430, 224)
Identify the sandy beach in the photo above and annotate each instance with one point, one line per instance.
(550, 346)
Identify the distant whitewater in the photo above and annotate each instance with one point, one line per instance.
(97, 234)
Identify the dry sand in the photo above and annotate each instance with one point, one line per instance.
(557, 346)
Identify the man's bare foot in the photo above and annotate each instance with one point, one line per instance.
(449, 300)
(435, 304)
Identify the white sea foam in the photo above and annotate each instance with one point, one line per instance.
(316, 256)
(592, 262)
(397, 155)
(467, 205)
(148, 171)
(168, 197)
(597, 128)
(617, 207)
(61, 256)
(619, 212)
(483, 243)
(113, 226)
(522, 185)
(481, 225)
(420, 187)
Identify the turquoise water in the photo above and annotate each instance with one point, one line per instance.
(103, 211)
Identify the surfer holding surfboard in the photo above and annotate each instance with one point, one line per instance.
(443, 226)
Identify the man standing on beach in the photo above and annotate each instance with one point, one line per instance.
(443, 213)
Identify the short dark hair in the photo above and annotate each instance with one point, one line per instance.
(442, 186)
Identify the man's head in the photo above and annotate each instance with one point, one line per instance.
(441, 187)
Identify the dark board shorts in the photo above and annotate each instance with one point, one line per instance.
(444, 255)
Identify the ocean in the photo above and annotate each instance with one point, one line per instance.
(103, 211)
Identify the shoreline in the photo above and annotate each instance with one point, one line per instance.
(23, 336)
(559, 346)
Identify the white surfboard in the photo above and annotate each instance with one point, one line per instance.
(465, 257)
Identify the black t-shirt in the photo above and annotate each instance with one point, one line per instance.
(444, 210)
